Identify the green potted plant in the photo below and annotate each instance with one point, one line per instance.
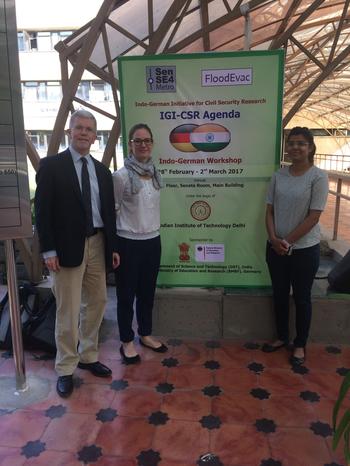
(342, 428)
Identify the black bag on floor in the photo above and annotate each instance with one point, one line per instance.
(339, 276)
(39, 331)
(29, 303)
(38, 320)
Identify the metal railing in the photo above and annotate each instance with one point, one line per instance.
(338, 170)
(330, 162)
(338, 178)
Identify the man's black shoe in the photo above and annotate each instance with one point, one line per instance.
(96, 368)
(64, 385)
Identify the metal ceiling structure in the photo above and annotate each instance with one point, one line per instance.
(315, 35)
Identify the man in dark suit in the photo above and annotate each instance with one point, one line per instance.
(75, 219)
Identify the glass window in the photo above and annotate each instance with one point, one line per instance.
(64, 142)
(33, 42)
(108, 93)
(83, 90)
(53, 91)
(30, 90)
(44, 41)
(102, 138)
(58, 36)
(41, 94)
(64, 34)
(97, 92)
(34, 137)
(21, 42)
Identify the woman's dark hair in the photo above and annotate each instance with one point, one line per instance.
(139, 126)
(306, 133)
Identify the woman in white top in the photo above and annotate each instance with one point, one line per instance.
(296, 198)
(137, 200)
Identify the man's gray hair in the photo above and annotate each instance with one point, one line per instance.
(82, 114)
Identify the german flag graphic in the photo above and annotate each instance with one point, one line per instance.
(180, 138)
(210, 137)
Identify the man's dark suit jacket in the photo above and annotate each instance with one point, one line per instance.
(59, 210)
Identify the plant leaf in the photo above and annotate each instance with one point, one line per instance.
(343, 427)
(344, 388)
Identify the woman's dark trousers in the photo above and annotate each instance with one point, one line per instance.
(136, 277)
(297, 270)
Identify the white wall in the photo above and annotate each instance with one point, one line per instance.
(51, 15)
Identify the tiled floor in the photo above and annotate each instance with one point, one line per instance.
(204, 403)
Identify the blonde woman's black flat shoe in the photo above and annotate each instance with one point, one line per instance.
(159, 349)
(129, 359)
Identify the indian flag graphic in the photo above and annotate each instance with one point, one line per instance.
(180, 138)
(210, 137)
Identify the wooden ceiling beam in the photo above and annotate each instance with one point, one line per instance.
(290, 13)
(150, 17)
(110, 70)
(177, 25)
(74, 79)
(234, 14)
(340, 26)
(158, 36)
(32, 153)
(306, 52)
(126, 33)
(303, 17)
(317, 81)
(204, 15)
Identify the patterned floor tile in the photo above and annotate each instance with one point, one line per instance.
(137, 402)
(125, 437)
(181, 440)
(89, 398)
(326, 384)
(74, 431)
(236, 380)
(54, 458)
(299, 447)
(190, 377)
(344, 357)
(192, 353)
(278, 359)
(22, 426)
(234, 355)
(145, 374)
(11, 456)
(239, 445)
(186, 405)
(280, 382)
(317, 357)
(289, 411)
(224, 402)
(114, 461)
(237, 408)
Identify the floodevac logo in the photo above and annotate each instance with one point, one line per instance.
(205, 138)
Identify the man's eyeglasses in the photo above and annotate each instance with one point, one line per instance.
(139, 142)
(297, 143)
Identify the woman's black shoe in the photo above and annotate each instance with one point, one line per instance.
(160, 349)
(129, 359)
(295, 361)
(267, 348)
